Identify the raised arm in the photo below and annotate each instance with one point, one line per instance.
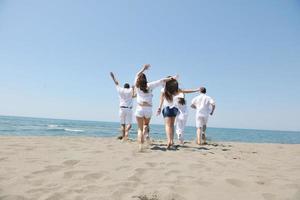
(144, 68)
(114, 78)
(133, 92)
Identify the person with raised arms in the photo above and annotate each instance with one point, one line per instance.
(144, 94)
(126, 94)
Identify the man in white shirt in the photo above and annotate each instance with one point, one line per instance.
(125, 113)
(204, 106)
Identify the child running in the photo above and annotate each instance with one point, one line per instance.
(181, 118)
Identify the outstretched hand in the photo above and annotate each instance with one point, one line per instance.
(158, 112)
(147, 66)
(112, 75)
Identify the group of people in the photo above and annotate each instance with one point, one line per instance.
(172, 105)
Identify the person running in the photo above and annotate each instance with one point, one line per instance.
(144, 94)
(204, 106)
(125, 111)
(181, 118)
(169, 100)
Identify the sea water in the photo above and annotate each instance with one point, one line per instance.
(26, 126)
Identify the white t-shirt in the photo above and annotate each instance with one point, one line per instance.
(203, 105)
(166, 102)
(142, 97)
(125, 96)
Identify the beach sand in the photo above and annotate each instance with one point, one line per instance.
(105, 168)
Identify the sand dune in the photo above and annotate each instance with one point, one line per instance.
(103, 168)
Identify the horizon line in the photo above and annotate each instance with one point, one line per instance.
(88, 120)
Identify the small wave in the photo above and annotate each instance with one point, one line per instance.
(73, 130)
(52, 126)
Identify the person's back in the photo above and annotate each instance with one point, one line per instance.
(125, 106)
(125, 96)
(203, 104)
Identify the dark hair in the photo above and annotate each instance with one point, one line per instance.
(181, 101)
(171, 89)
(203, 90)
(126, 85)
(141, 83)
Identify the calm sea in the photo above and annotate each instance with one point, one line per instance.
(25, 126)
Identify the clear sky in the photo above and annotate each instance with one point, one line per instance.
(55, 56)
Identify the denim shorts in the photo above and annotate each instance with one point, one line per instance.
(170, 112)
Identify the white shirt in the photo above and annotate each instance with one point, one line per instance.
(125, 96)
(167, 103)
(142, 97)
(203, 105)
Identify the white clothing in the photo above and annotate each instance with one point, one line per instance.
(166, 103)
(142, 97)
(203, 105)
(143, 111)
(125, 96)
(125, 115)
(180, 126)
(201, 121)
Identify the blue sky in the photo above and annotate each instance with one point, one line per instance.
(55, 57)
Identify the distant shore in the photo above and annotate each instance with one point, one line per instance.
(105, 168)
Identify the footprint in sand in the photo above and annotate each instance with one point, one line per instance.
(151, 164)
(71, 174)
(171, 172)
(269, 196)
(14, 197)
(93, 176)
(49, 169)
(3, 159)
(70, 163)
(235, 182)
(123, 167)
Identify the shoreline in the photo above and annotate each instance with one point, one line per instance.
(193, 142)
(65, 167)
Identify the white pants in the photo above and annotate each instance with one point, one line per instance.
(125, 115)
(201, 121)
(143, 111)
(180, 125)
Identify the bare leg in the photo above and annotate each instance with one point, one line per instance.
(169, 126)
(199, 136)
(140, 135)
(128, 127)
(122, 132)
(146, 129)
(203, 134)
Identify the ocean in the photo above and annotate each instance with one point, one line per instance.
(27, 126)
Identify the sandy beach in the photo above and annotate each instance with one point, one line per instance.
(104, 168)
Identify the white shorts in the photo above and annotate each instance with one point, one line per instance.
(201, 121)
(143, 111)
(125, 115)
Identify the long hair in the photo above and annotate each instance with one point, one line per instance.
(141, 83)
(171, 89)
